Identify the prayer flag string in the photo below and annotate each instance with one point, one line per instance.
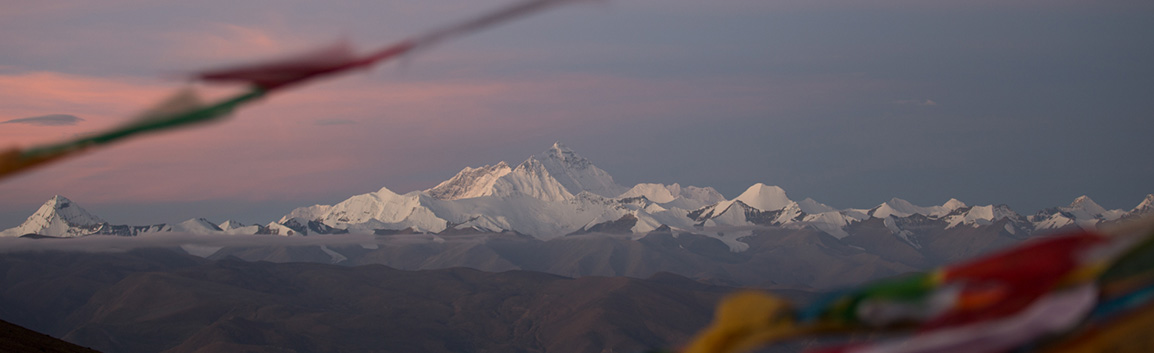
(1084, 291)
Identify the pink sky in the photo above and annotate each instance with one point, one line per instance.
(346, 128)
(813, 96)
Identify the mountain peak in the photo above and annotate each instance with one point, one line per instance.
(470, 182)
(196, 226)
(385, 192)
(566, 156)
(1146, 205)
(574, 172)
(58, 217)
(68, 211)
(654, 192)
(902, 208)
(953, 204)
(811, 206)
(898, 202)
(765, 197)
(230, 224)
(58, 202)
(1089, 206)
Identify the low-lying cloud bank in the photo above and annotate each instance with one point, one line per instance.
(767, 257)
(192, 241)
(188, 241)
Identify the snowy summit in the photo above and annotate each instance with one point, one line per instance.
(558, 192)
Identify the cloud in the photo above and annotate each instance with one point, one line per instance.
(121, 244)
(204, 245)
(47, 120)
(102, 101)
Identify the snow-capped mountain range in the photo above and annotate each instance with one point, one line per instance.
(558, 192)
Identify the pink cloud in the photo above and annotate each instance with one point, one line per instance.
(280, 148)
(101, 102)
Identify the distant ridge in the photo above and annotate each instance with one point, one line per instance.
(157, 300)
(559, 192)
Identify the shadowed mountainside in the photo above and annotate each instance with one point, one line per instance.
(290, 299)
(14, 338)
(162, 301)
